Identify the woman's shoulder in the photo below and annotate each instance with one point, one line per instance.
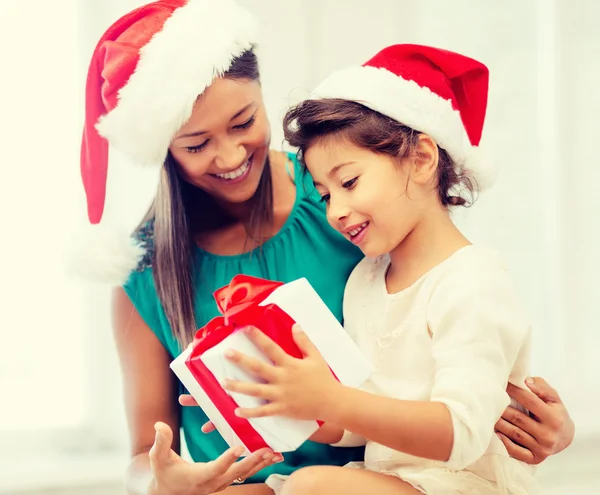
(299, 175)
(140, 283)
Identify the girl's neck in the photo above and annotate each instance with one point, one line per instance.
(432, 241)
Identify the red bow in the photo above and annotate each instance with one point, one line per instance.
(239, 302)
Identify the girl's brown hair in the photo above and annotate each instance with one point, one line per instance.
(312, 120)
(179, 212)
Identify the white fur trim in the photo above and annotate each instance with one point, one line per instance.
(405, 101)
(479, 166)
(105, 255)
(196, 45)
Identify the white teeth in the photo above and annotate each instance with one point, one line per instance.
(234, 174)
(357, 230)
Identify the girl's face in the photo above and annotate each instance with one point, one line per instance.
(223, 147)
(366, 194)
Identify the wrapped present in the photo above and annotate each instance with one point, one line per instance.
(273, 308)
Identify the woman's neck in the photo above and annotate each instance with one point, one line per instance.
(432, 241)
(228, 231)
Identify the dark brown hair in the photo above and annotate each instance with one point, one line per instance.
(305, 124)
(180, 211)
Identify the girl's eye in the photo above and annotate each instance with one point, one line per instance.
(350, 183)
(325, 198)
(196, 149)
(246, 124)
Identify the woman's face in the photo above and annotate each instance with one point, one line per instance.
(223, 147)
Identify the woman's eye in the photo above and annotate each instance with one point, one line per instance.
(196, 149)
(350, 183)
(325, 198)
(246, 124)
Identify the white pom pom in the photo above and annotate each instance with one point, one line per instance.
(103, 255)
(480, 167)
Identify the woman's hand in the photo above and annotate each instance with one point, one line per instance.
(172, 475)
(547, 430)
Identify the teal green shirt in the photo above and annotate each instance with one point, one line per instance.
(306, 246)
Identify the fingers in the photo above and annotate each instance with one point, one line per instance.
(254, 366)
(267, 346)
(303, 342)
(160, 452)
(187, 400)
(252, 389)
(516, 451)
(530, 401)
(265, 463)
(259, 412)
(225, 469)
(208, 427)
(221, 464)
(540, 387)
(522, 421)
(252, 464)
(516, 434)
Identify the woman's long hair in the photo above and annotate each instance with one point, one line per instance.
(178, 213)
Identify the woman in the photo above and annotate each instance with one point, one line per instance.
(175, 85)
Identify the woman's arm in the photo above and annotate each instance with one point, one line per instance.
(150, 391)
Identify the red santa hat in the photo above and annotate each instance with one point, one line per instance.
(146, 73)
(437, 92)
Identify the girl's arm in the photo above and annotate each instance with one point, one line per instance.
(479, 337)
(479, 334)
(422, 429)
(328, 433)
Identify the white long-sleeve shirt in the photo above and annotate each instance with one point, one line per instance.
(456, 336)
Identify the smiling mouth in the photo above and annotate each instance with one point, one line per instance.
(354, 232)
(238, 172)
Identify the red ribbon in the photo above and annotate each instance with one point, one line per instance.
(239, 302)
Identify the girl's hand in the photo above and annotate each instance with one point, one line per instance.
(546, 431)
(296, 388)
(172, 475)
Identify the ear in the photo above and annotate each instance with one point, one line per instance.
(425, 161)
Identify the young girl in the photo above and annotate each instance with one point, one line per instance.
(390, 147)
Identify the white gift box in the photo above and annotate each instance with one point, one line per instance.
(301, 302)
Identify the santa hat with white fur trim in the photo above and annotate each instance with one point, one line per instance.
(437, 92)
(146, 73)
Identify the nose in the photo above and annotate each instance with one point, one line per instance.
(337, 212)
(230, 155)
